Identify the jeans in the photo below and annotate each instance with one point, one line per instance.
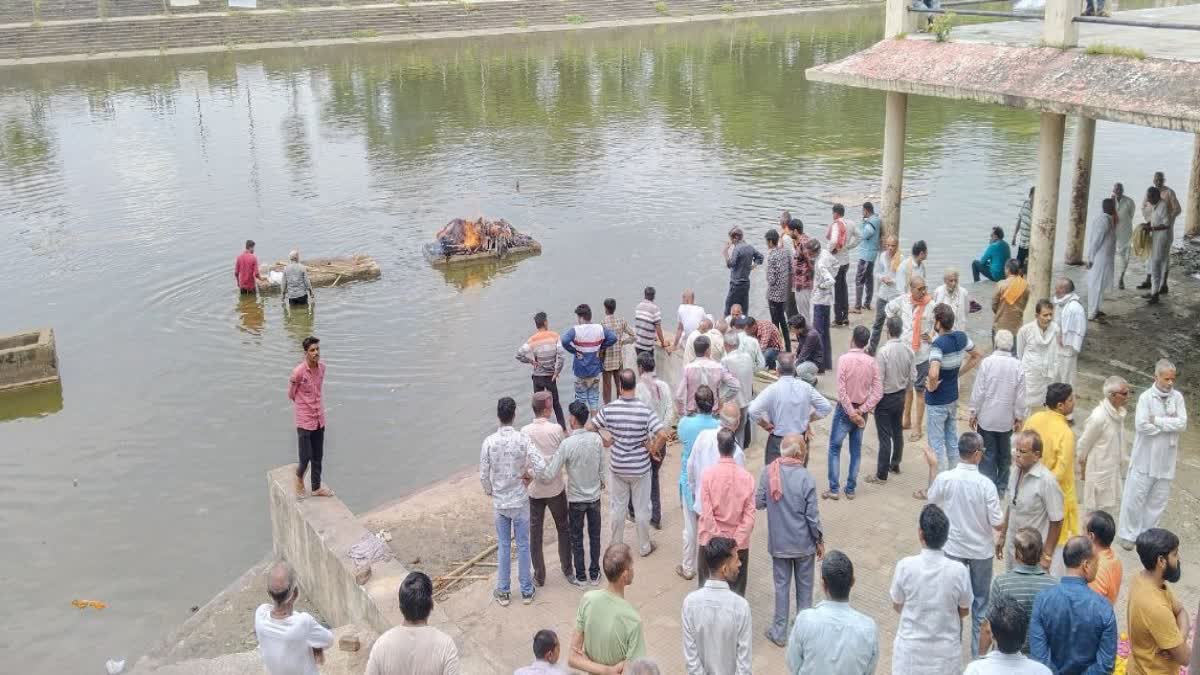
(737, 585)
(621, 489)
(941, 424)
(577, 512)
(997, 457)
(1097, 9)
(978, 270)
(510, 524)
(981, 588)
(888, 414)
(877, 327)
(770, 356)
(739, 294)
(841, 296)
(783, 571)
(311, 451)
(821, 324)
(864, 280)
(545, 383)
(537, 514)
(655, 497)
(779, 317)
(842, 426)
(587, 389)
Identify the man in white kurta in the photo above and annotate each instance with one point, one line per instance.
(1101, 250)
(1160, 420)
(1157, 216)
(1072, 325)
(1037, 349)
(952, 293)
(1126, 210)
(1101, 448)
(932, 593)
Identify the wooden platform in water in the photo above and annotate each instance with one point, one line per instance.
(522, 251)
(325, 272)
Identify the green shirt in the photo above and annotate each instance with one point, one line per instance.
(611, 627)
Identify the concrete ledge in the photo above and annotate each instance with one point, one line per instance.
(314, 535)
(28, 359)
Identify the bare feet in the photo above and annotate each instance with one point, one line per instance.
(906, 424)
(300, 485)
(916, 434)
(323, 492)
(919, 494)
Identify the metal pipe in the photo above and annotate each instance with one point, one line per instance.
(964, 3)
(1168, 25)
(979, 12)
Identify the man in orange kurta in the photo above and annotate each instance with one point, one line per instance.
(1058, 454)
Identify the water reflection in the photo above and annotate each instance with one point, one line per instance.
(299, 321)
(250, 310)
(37, 401)
(480, 273)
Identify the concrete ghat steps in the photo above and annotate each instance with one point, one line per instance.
(190, 30)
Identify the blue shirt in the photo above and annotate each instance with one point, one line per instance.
(949, 350)
(789, 403)
(994, 258)
(688, 429)
(832, 638)
(588, 359)
(868, 238)
(1073, 630)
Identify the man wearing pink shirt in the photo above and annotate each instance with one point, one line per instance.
(727, 508)
(859, 389)
(304, 389)
(245, 270)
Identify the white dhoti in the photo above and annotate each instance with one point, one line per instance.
(1143, 503)
(1122, 261)
(1068, 366)
(1101, 492)
(688, 560)
(1101, 249)
(1160, 259)
(804, 304)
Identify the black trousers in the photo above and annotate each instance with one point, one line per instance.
(792, 310)
(841, 297)
(577, 513)
(821, 324)
(737, 586)
(544, 383)
(772, 452)
(655, 495)
(312, 451)
(779, 317)
(864, 280)
(997, 457)
(877, 327)
(302, 300)
(739, 294)
(1023, 258)
(888, 419)
(537, 514)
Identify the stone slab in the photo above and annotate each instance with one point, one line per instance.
(28, 358)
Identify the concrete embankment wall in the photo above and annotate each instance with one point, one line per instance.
(35, 29)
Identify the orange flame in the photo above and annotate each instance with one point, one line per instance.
(471, 238)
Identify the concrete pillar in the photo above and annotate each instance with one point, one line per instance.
(1059, 29)
(894, 121)
(898, 20)
(1045, 209)
(1085, 137)
(1192, 197)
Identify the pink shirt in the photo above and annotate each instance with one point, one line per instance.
(859, 384)
(305, 391)
(727, 503)
(246, 269)
(546, 436)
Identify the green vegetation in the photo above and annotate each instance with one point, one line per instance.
(901, 36)
(575, 19)
(941, 25)
(661, 8)
(1101, 48)
(728, 8)
(364, 33)
(522, 23)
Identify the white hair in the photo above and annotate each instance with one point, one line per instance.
(1003, 340)
(950, 272)
(732, 339)
(643, 667)
(1114, 383)
(294, 256)
(1163, 366)
(793, 448)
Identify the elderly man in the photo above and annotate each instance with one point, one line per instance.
(952, 293)
(788, 493)
(1073, 629)
(707, 372)
(727, 507)
(997, 408)
(1160, 420)
(1101, 448)
(932, 594)
(716, 626)
(1037, 504)
(1058, 454)
(886, 265)
(832, 637)
(689, 430)
(1021, 584)
(1158, 223)
(636, 436)
(1008, 623)
(716, 346)
(915, 309)
(859, 388)
(1101, 249)
(547, 493)
(1126, 208)
(414, 647)
(608, 629)
(290, 642)
(544, 352)
(824, 275)
(969, 499)
(688, 316)
(582, 453)
(740, 257)
(296, 289)
(1072, 325)
(741, 364)
(1037, 350)
(897, 371)
(746, 342)
(786, 407)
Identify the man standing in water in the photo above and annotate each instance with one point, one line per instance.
(296, 288)
(245, 270)
(740, 258)
(304, 389)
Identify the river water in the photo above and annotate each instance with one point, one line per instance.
(127, 188)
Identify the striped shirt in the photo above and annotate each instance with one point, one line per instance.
(1024, 224)
(544, 353)
(632, 424)
(1022, 584)
(646, 320)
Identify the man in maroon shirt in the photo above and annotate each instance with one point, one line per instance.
(304, 389)
(245, 270)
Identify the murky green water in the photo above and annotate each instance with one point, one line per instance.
(126, 189)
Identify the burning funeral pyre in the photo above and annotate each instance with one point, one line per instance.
(479, 238)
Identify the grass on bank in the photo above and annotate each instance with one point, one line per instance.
(1100, 48)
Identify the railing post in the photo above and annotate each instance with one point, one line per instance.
(1059, 29)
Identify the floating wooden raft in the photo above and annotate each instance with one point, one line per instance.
(326, 271)
(437, 255)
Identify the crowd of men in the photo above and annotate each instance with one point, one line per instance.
(1005, 490)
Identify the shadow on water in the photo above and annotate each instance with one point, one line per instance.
(38, 401)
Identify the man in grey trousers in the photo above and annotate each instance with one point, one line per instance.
(788, 493)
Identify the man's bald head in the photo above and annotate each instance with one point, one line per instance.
(706, 325)
(793, 446)
(281, 583)
(786, 363)
(731, 416)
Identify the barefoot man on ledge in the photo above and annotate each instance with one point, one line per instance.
(304, 389)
